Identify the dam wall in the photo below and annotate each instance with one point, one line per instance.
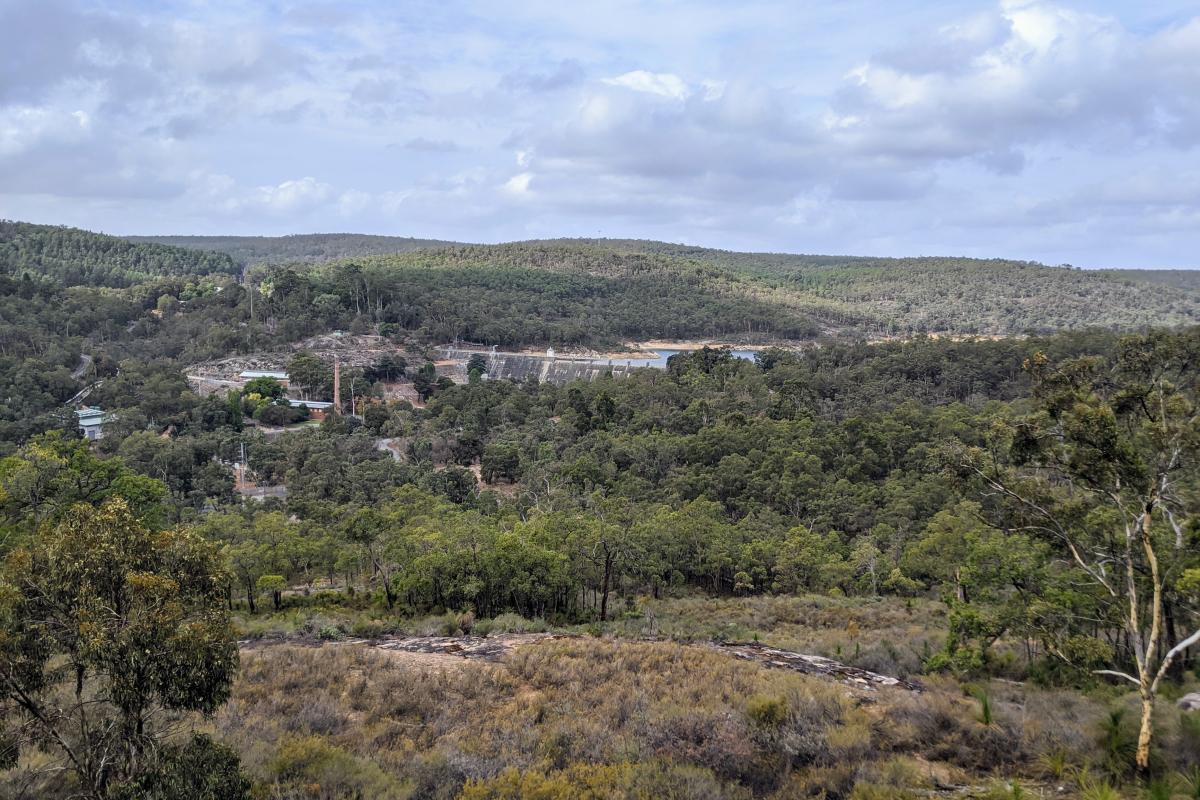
(541, 368)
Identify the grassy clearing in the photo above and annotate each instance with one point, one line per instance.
(613, 716)
(604, 718)
(890, 636)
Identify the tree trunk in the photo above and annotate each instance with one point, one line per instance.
(1147, 728)
(387, 592)
(1178, 666)
(608, 565)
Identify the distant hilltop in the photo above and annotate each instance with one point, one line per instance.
(599, 293)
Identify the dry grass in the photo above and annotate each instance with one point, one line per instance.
(886, 635)
(596, 717)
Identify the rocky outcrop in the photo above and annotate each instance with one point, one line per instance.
(815, 665)
(496, 646)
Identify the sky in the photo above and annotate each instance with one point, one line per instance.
(1061, 132)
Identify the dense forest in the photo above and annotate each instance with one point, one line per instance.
(570, 293)
(79, 258)
(305, 247)
(1009, 525)
(1179, 278)
(959, 295)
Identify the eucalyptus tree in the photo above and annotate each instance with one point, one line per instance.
(112, 635)
(1108, 470)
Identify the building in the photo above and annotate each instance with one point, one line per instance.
(317, 409)
(91, 422)
(251, 374)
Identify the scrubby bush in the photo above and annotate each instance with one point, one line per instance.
(311, 766)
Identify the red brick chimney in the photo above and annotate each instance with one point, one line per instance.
(337, 386)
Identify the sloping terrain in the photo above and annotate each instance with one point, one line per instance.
(955, 295)
(1179, 278)
(75, 257)
(308, 247)
(604, 292)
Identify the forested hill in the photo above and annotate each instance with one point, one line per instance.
(1179, 278)
(946, 294)
(310, 247)
(74, 257)
(603, 292)
(873, 296)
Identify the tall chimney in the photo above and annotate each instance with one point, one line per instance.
(337, 386)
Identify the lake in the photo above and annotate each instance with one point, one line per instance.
(660, 359)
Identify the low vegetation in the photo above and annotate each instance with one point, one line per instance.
(571, 717)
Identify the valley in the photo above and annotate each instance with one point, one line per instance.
(607, 518)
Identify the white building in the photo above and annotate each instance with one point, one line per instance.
(91, 422)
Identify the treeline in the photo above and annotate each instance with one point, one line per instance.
(308, 247)
(830, 471)
(75, 257)
(956, 295)
(495, 302)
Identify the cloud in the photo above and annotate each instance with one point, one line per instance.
(1030, 74)
(292, 195)
(22, 128)
(422, 144)
(886, 127)
(566, 74)
(662, 84)
(519, 183)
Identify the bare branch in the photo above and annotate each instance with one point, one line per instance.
(1117, 674)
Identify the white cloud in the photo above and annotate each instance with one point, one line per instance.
(352, 202)
(770, 125)
(292, 195)
(24, 127)
(663, 84)
(519, 183)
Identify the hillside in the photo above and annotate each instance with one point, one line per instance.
(309, 247)
(75, 257)
(602, 292)
(520, 295)
(1178, 278)
(955, 295)
(669, 291)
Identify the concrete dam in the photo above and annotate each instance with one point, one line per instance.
(550, 367)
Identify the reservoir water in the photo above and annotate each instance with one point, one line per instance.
(660, 358)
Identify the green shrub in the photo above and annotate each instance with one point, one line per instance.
(308, 761)
(369, 628)
(767, 712)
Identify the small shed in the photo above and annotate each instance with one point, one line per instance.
(91, 422)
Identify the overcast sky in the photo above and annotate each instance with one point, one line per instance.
(1060, 132)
